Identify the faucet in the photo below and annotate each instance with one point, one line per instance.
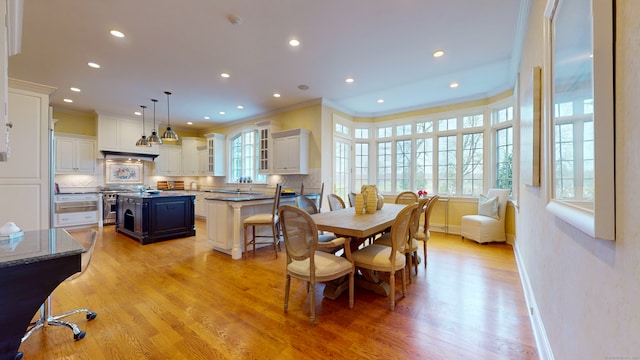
(238, 189)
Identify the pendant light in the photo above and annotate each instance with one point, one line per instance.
(154, 138)
(169, 134)
(143, 139)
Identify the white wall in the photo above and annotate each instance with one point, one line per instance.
(587, 291)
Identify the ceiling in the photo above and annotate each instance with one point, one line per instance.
(385, 46)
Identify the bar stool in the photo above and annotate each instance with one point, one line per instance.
(270, 220)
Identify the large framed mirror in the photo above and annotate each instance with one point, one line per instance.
(579, 106)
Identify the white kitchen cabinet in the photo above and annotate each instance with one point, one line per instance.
(168, 162)
(216, 154)
(265, 147)
(203, 160)
(75, 154)
(190, 160)
(200, 208)
(291, 151)
(120, 134)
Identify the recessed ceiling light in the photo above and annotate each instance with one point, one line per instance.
(117, 33)
(276, 95)
(303, 87)
(380, 101)
(75, 89)
(207, 118)
(453, 85)
(438, 53)
(240, 107)
(294, 42)
(189, 123)
(222, 113)
(93, 65)
(137, 113)
(225, 75)
(349, 80)
(68, 100)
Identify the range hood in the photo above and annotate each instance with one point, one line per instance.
(120, 155)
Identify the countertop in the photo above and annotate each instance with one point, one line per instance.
(38, 245)
(138, 195)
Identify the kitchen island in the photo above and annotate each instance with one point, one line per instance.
(227, 210)
(153, 217)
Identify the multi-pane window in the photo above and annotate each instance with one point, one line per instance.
(588, 184)
(447, 174)
(244, 157)
(385, 132)
(424, 127)
(361, 133)
(342, 129)
(361, 165)
(424, 164)
(342, 166)
(503, 115)
(447, 124)
(384, 166)
(403, 165)
(472, 121)
(472, 162)
(564, 160)
(504, 158)
(402, 130)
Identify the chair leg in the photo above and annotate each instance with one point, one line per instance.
(275, 231)
(409, 264)
(425, 253)
(55, 320)
(392, 291)
(312, 304)
(245, 250)
(351, 281)
(286, 293)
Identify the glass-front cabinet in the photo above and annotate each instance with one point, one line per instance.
(265, 147)
(215, 154)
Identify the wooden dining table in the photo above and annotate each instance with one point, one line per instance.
(358, 227)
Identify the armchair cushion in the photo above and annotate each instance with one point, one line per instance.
(488, 206)
(326, 265)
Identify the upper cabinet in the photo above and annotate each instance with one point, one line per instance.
(169, 162)
(215, 154)
(291, 151)
(75, 154)
(265, 147)
(119, 134)
(190, 157)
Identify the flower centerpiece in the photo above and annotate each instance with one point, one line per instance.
(422, 193)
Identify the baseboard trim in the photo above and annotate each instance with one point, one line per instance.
(542, 341)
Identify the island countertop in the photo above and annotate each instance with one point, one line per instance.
(149, 195)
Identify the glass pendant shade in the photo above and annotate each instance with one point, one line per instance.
(169, 134)
(154, 138)
(142, 142)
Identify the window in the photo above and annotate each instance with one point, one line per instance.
(472, 121)
(447, 124)
(424, 127)
(472, 162)
(244, 157)
(384, 132)
(361, 165)
(342, 129)
(402, 130)
(403, 165)
(342, 166)
(447, 165)
(504, 158)
(384, 166)
(424, 164)
(362, 133)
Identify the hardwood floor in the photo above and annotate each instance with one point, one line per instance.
(178, 299)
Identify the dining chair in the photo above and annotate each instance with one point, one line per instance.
(407, 197)
(424, 234)
(352, 199)
(488, 224)
(411, 243)
(267, 219)
(305, 263)
(89, 244)
(389, 259)
(320, 198)
(335, 202)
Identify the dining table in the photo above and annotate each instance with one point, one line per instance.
(32, 265)
(359, 227)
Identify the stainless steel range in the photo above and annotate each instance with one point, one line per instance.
(109, 197)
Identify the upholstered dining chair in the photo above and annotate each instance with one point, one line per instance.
(407, 197)
(305, 263)
(423, 235)
(89, 244)
(488, 224)
(309, 206)
(335, 202)
(411, 244)
(389, 259)
(269, 219)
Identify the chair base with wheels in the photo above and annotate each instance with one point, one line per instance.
(45, 310)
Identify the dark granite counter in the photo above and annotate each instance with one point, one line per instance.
(37, 246)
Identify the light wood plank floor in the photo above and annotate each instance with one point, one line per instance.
(178, 299)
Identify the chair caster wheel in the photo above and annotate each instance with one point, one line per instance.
(79, 336)
(91, 315)
(19, 355)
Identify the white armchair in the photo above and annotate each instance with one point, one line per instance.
(488, 225)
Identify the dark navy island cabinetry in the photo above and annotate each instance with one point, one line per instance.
(150, 218)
